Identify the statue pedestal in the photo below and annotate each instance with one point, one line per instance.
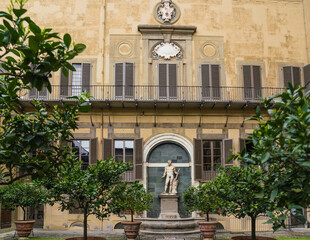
(169, 206)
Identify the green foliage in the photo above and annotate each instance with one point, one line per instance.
(132, 197)
(90, 190)
(28, 53)
(244, 193)
(22, 194)
(202, 198)
(33, 143)
(282, 149)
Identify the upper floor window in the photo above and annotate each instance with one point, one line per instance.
(81, 149)
(124, 80)
(76, 81)
(210, 80)
(252, 81)
(167, 80)
(291, 75)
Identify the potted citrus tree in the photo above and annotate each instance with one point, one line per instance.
(22, 194)
(203, 199)
(131, 197)
(245, 194)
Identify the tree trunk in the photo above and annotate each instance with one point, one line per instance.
(131, 213)
(85, 224)
(253, 226)
(208, 218)
(24, 210)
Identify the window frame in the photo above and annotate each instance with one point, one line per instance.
(83, 166)
(213, 91)
(131, 168)
(212, 143)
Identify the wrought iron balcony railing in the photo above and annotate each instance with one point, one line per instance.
(158, 93)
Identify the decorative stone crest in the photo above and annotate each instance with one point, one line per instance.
(166, 12)
(167, 50)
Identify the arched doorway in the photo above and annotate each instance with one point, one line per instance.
(156, 161)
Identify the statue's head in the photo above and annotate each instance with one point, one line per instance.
(169, 162)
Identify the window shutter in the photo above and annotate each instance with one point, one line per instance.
(198, 164)
(247, 82)
(257, 82)
(107, 148)
(129, 77)
(287, 76)
(162, 81)
(119, 74)
(227, 151)
(242, 144)
(205, 80)
(64, 85)
(93, 151)
(296, 76)
(86, 70)
(215, 76)
(307, 77)
(138, 148)
(172, 80)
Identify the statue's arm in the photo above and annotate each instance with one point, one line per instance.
(165, 172)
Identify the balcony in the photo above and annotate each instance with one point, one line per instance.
(114, 94)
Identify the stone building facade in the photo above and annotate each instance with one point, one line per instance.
(172, 80)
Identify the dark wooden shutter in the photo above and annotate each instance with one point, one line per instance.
(247, 82)
(129, 78)
(296, 76)
(162, 81)
(86, 71)
(64, 85)
(287, 76)
(172, 80)
(227, 151)
(306, 70)
(93, 150)
(138, 163)
(198, 164)
(107, 148)
(215, 76)
(257, 82)
(205, 80)
(242, 144)
(119, 75)
(6, 218)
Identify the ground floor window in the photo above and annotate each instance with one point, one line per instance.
(81, 150)
(124, 151)
(212, 155)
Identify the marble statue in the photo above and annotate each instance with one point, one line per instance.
(171, 180)
(166, 11)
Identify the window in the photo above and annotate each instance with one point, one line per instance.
(209, 155)
(82, 152)
(124, 151)
(246, 144)
(167, 80)
(34, 93)
(252, 81)
(76, 81)
(124, 80)
(210, 80)
(212, 155)
(291, 75)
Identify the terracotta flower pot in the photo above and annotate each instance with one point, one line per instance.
(249, 238)
(88, 238)
(24, 228)
(131, 229)
(207, 229)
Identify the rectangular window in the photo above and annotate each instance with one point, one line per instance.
(210, 81)
(76, 81)
(81, 149)
(124, 80)
(124, 151)
(212, 155)
(252, 82)
(167, 80)
(291, 75)
(34, 93)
